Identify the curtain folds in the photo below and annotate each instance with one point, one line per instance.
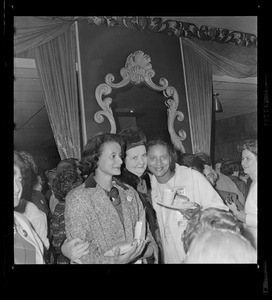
(52, 42)
(31, 32)
(238, 62)
(57, 69)
(232, 53)
(198, 81)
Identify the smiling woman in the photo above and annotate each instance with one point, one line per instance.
(168, 175)
(104, 211)
(249, 215)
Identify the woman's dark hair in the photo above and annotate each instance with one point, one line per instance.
(66, 164)
(65, 181)
(184, 159)
(192, 161)
(170, 148)
(205, 158)
(197, 164)
(228, 167)
(133, 137)
(93, 149)
(206, 219)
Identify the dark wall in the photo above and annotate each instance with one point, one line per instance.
(104, 50)
(234, 131)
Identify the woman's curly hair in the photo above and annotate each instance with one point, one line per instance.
(206, 219)
(20, 163)
(93, 149)
(250, 145)
(64, 182)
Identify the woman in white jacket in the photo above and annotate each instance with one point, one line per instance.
(170, 175)
(28, 248)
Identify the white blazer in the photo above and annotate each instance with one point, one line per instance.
(23, 224)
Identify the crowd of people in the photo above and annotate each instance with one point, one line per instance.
(108, 207)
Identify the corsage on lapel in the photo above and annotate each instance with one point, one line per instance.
(130, 196)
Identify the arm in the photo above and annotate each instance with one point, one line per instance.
(77, 225)
(208, 196)
(249, 219)
(74, 249)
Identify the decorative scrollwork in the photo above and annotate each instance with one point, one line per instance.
(177, 28)
(138, 70)
(172, 104)
(104, 89)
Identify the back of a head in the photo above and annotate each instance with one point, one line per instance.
(228, 167)
(206, 219)
(205, 158)
(185, 159)
(65, 181)
(221, 246)
(66, 164)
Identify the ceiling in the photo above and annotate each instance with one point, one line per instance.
(237, 96)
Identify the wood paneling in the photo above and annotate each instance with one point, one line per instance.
(234, 131)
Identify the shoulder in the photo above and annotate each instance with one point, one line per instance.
(32, 208)
(20, 218)
(78, 191)
(183, 170)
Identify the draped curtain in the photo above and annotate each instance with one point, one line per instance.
(226, 59)
(53, 44)
(198, 81)
(56, 64)
(206, 50)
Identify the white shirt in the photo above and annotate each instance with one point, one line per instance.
(251, 211)
(171, 222)
(23, 225)
(38, 220)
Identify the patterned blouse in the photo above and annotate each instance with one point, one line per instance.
(58, 232)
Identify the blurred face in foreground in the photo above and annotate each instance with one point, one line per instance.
(221, 246)
(18, 186)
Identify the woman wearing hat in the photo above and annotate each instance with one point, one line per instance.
(134, 173)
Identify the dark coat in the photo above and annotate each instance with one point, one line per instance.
(145, 196)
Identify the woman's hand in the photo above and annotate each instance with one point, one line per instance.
(75, 249)
(232, 207)
(130, 256)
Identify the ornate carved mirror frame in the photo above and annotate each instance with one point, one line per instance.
(138, 70)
